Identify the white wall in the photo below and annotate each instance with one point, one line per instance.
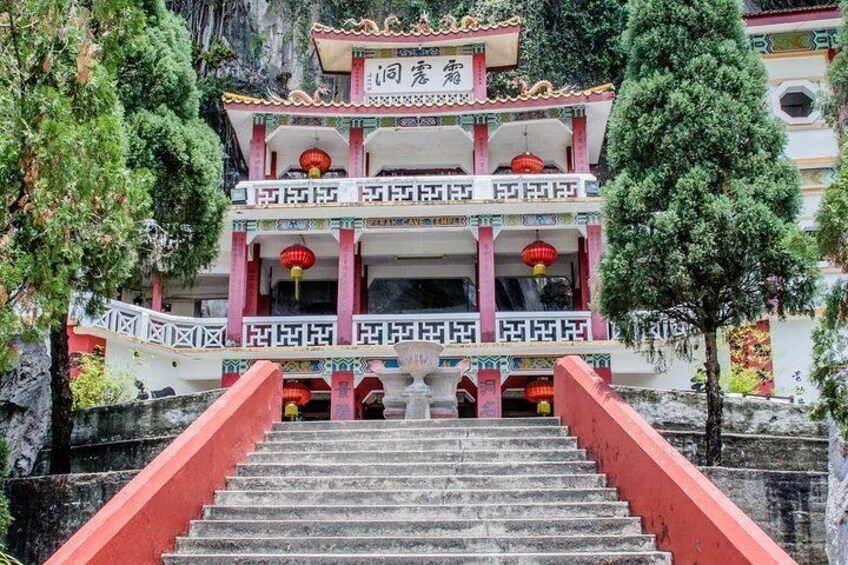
(156, 369)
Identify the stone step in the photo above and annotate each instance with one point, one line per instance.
(420, 443)
(414, 528)
(355, 470)
(414, 424)
(352, 434)
(606, 558)
(416, 482)
(419, 456)
(567, 510)
(349, 545)
(755, 451)
(467, 493)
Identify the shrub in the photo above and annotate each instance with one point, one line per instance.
(98, 385)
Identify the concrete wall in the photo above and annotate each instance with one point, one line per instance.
(157, 368)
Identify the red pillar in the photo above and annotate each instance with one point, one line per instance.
(594, 249)
(357, 283)
(581, 298)
(605, 373)
(272, 173)
(157, 293)
(79, 344)
(237, 289)
(256, 162)
(481, 149)
(229, 379)
(580, 143)
(356, 157)
(347, 286)
(486, 284)
(357, 80)
(251, 300)
(342, 405)
(478, 64)
(489, 393)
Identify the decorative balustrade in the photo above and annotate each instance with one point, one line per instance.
(154, 327)
(666, 329)
(416, 189)
(520, 327)
(299, 331)
(441, 328)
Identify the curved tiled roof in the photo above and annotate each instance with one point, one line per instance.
(561, 94)
(437, 32)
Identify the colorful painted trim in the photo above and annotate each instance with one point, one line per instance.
(794, 41)
(365, 53)
(321, 28)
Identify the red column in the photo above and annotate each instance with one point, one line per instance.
(272, 173)
(594, 249)
(356, 157)
(357, 80)
(251, 300)
(605, 373)
(478, 64)
(342, 396)
(580, 144)
(236, 294)
(357, 283)
(481, 149)
(256, 162)
(489, 393)
(79, 344)
(157, 293)
(486, 284)
(229, 379)
(347, 286)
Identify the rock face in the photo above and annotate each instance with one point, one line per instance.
(836, 516)
(25, 407)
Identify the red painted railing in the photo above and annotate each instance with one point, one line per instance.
(142, 520)
(690, 517)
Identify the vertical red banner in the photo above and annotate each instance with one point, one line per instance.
(342, 395)
(489, 394)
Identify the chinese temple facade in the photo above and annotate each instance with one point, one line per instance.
(421, 209)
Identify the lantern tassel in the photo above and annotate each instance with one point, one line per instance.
(291, 410)
(543, 408)
(296, 275)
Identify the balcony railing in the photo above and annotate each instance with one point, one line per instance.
(391, 329)
(517, 327)
(181, 332)
(149, 326)
(300, 331)
(415, 189)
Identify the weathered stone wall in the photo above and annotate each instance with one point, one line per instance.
(774, 457)
(789, 506)
(684, 410)
(110, 444)
(48, 510)
(837, 502)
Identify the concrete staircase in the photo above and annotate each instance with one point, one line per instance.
(513, 491)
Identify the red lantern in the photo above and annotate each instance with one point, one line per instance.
(298, 258)
(540, 256)
(295, 395)
(315, 162)
(541, 393)
(527, 164)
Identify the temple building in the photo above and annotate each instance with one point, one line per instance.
(421, 209)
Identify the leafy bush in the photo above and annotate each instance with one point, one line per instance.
(98, 385)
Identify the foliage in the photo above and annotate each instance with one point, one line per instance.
(736, 379)
(5, 515)
(99, 385)
(70, 202)
(701, 221)
(158, 88)
(830, 338)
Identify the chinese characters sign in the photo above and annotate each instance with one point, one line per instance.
(414, 75)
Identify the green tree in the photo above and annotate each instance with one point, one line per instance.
(158, 88)
(701, 213)
(830, 338)
(70, 203)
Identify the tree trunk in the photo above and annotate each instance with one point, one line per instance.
(714, 400)
(60, 386)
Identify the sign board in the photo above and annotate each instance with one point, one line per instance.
(419, 75)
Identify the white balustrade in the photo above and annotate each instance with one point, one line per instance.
(150, 326)
(295, 331)
(394, 328)
(449, 188)
(521, 327)
(665, 329)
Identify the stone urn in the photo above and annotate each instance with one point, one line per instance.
(418, 359)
